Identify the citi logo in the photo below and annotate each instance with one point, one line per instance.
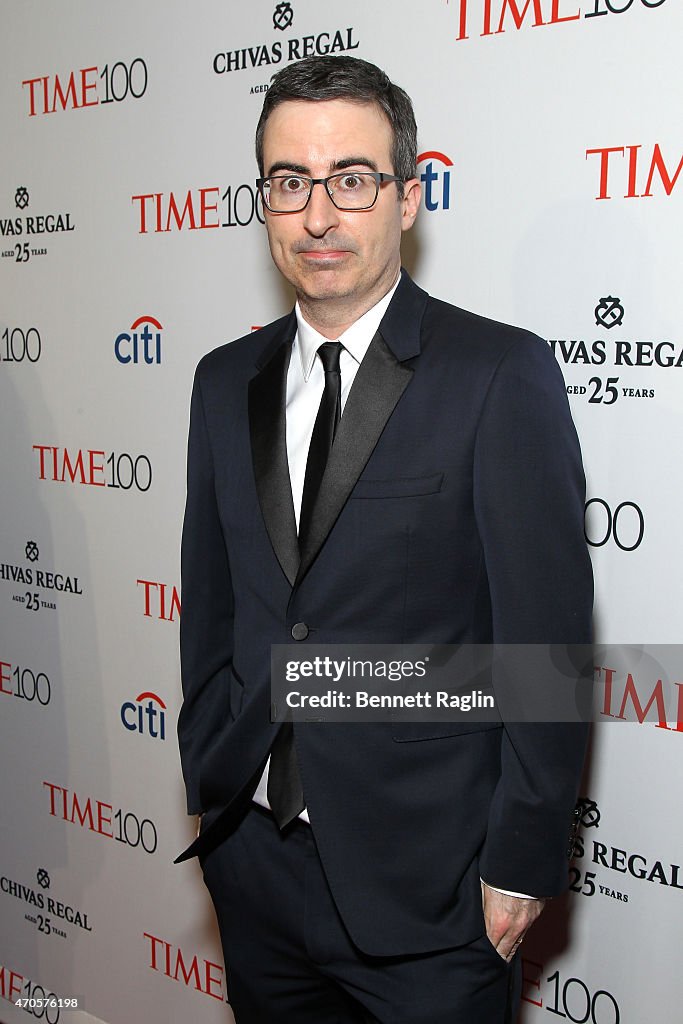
(146, 715)
(140, 346)
(436, 180)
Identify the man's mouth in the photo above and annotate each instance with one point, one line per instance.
(323, 255)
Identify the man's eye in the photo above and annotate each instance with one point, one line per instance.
(350, 182)
(292, 184)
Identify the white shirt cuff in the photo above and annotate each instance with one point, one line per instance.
(507, 892)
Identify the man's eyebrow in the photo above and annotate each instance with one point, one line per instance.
(283, 165)
(353, 161)
(338, 165)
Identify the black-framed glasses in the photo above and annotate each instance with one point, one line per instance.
(348, 190)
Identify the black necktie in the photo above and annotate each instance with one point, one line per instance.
(285, 792)
(326, 423)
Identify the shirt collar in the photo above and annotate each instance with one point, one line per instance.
(356, 339)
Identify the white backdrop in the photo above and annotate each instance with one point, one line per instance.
(552, 201)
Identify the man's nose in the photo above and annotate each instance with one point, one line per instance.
(321, 214)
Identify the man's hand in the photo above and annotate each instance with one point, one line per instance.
(508, 918)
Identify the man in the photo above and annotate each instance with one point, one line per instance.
(376, 467)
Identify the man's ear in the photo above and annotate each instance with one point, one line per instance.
(410, 204)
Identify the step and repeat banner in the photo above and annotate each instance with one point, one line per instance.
(132, 242)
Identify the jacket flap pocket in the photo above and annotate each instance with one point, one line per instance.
(411, 732)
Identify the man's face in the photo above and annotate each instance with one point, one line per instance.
(351, 258)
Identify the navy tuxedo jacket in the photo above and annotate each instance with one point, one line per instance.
(451, 512)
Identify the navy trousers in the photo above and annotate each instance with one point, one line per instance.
(290, 960)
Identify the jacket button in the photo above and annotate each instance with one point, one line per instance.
(299, 631)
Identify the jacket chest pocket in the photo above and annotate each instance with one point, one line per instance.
(399, 487)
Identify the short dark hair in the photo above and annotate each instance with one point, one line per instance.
(347, 78)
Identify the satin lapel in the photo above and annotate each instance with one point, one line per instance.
(379, 383)
(267, 427)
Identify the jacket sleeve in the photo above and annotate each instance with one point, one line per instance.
(206, 625)
(529, 501)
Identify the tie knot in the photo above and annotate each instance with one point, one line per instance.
(330, 354)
